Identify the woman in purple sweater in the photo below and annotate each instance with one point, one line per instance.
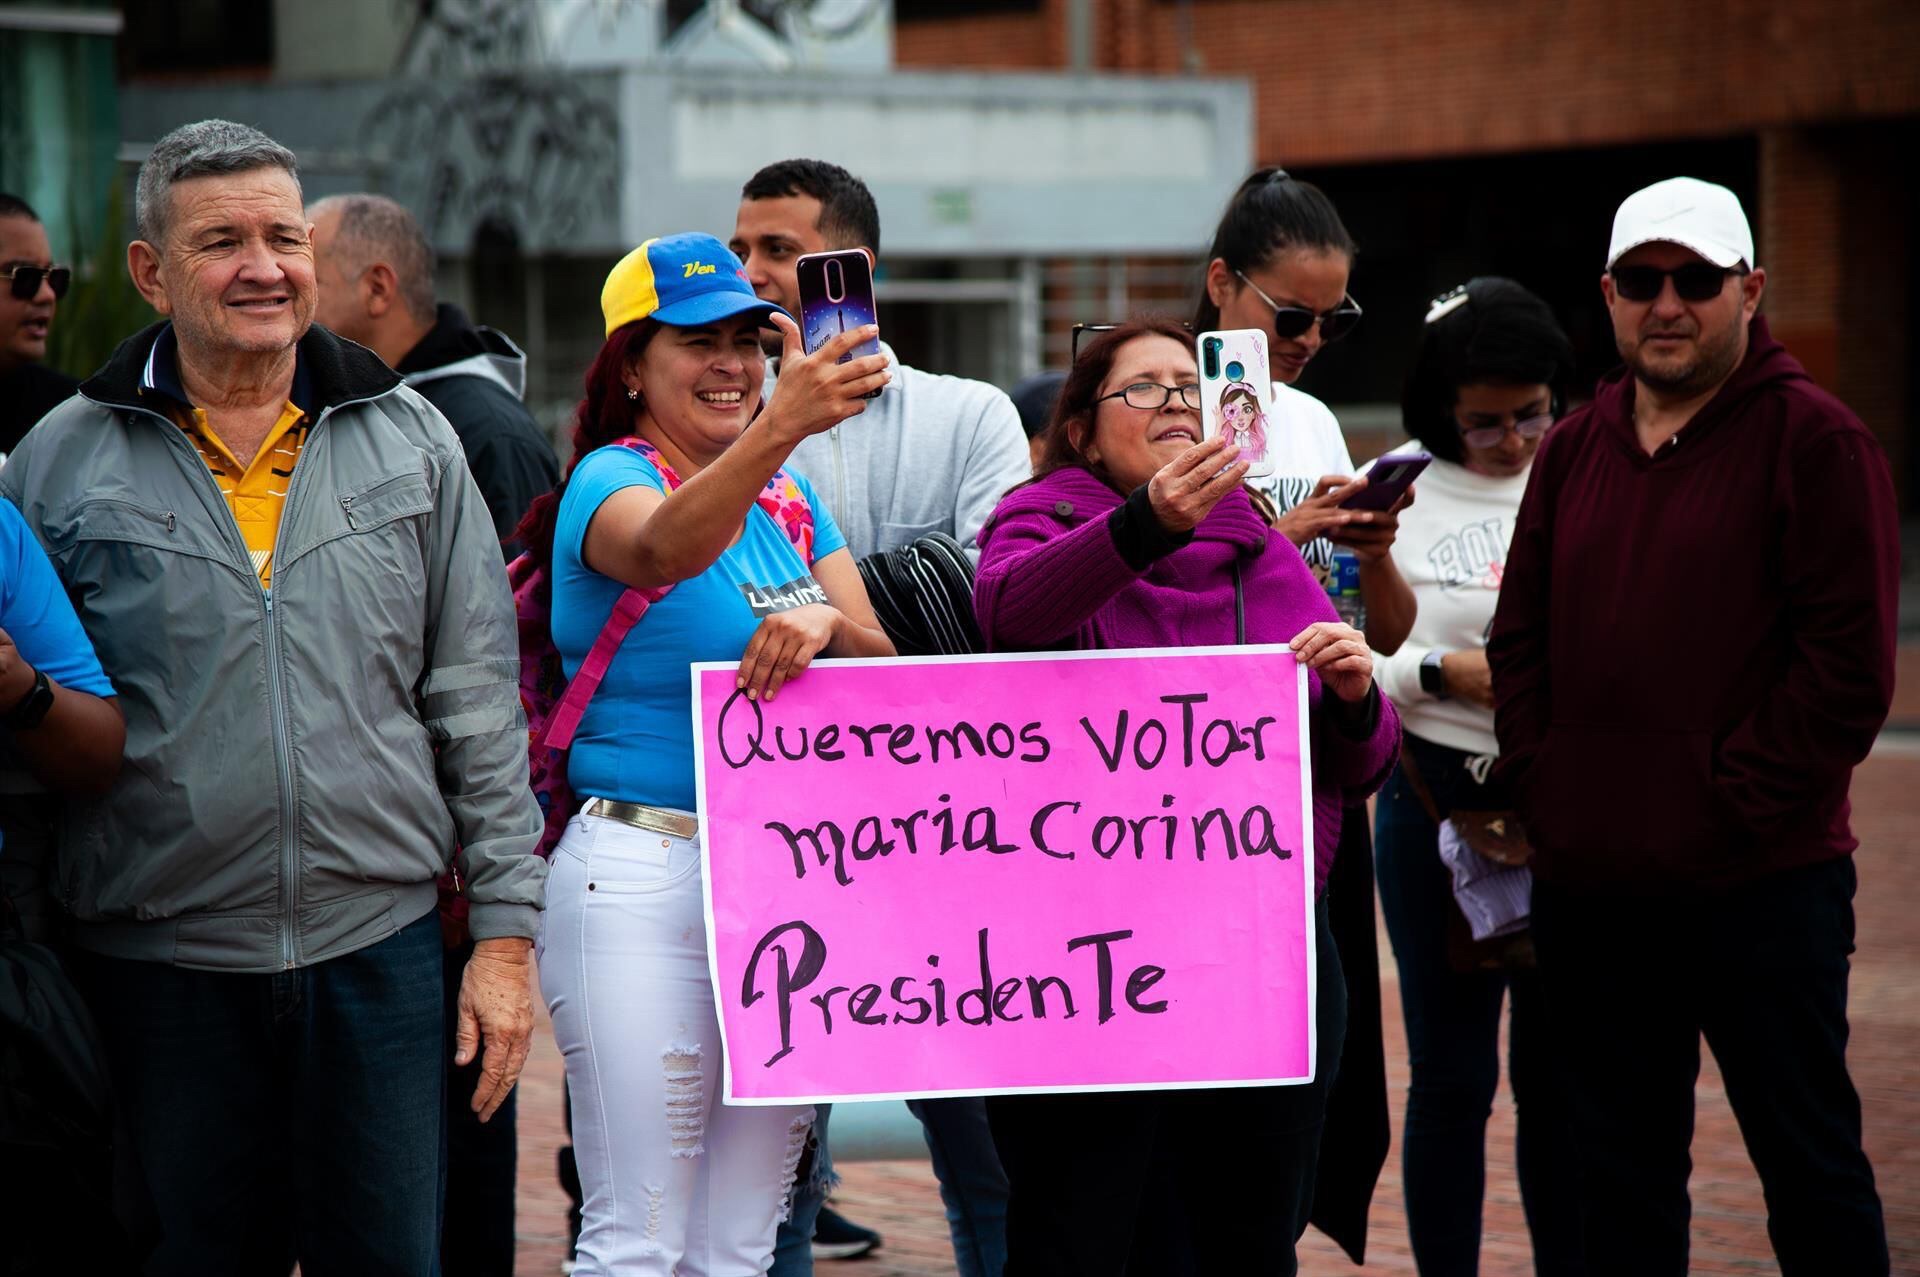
(1134, 533)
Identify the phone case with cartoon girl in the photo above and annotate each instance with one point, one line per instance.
(1236, 394)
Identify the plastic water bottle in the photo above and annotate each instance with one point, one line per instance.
(1343, 587)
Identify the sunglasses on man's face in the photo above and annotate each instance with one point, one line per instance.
(1291, 323)
(27, 281)
(1694, 282)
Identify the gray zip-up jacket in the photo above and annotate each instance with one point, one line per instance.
(932, 454)
(301, 762)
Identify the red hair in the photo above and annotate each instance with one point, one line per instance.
(604, 415)
(1070, 430)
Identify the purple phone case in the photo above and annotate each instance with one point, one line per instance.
(1382, 495)
(821, 316)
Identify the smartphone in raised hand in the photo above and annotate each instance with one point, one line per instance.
(1236, 394)
(836, 294)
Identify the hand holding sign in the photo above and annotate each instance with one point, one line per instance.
(1341, 655)
(784, 645)
(1081, 871)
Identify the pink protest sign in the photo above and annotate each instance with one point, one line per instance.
(951, 876)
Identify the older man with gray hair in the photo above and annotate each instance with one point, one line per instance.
(375, 271)
(280, 557)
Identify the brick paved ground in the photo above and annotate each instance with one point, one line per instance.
(899, 1198)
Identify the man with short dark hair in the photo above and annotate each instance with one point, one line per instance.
(31, 286)
(1693, 649)
(375, 271)
(931, 454)
(277, 552)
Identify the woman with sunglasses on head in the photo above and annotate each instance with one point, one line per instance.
(1491, 374)
(1279, 262)
(1134, 533)
(678, 483)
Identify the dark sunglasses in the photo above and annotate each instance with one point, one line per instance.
(27, 279)
(1292, 322)
(1694, 282)
(1080, 330)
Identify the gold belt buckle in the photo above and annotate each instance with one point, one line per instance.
(641, 816)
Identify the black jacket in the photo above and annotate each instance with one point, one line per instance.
(475, 377)
(27, 394)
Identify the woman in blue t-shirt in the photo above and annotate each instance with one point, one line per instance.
(674, 1181)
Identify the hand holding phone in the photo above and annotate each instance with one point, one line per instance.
(1236, 394)
(836, 296)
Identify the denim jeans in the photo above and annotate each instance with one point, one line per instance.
(973, 1186)
(1170, 1183)
(1761, 972)
(286, 1116)
(793, 1245)
(973, 1189)
(1453, 1039)
(476, 1233)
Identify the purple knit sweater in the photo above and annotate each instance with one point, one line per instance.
(1052, 578)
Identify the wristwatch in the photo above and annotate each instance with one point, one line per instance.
(1433, 681)
(33, 706)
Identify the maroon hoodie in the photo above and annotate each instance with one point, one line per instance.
(1693, 650)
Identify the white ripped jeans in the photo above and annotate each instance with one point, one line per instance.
(675, 1182)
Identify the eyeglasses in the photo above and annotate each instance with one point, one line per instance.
(1081, 330)
(1152, 395)
(27, 279)
(1493, 436)
(1694, 282)
(1291, 322)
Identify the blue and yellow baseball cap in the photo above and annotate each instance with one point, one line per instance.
(684, 280)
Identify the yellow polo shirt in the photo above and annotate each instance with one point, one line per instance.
(256, 491)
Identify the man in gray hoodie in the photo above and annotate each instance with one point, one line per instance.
(932, 454)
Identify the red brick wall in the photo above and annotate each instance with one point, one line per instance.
(993, 41)
(1343, 81)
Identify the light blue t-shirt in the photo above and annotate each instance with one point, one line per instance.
(635, 742)
(36, 614)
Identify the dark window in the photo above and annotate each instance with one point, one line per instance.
(1542, 219)
(923, 10)
(196, 35)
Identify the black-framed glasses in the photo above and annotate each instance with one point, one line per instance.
(1493, 436)
(1293, 322)
(1151, 395)
(1081, 330)
(1694, 282)
(27, 280)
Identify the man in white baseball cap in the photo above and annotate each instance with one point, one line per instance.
(1693, 648)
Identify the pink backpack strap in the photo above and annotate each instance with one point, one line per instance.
(566, 716)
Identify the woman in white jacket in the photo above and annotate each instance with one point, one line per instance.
(1490, 377)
